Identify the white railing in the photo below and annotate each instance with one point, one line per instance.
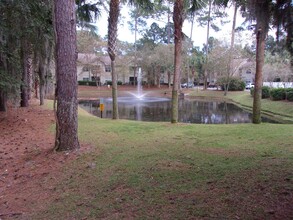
(278, 84)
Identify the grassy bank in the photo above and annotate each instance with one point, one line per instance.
(140, 170)
(282, 109)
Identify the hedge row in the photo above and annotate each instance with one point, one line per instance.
(275, 94)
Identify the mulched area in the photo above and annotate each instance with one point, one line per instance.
(28, 163)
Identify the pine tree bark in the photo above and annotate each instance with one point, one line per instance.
(178, 22)
(3, 101)
(24, 88)
(66, 90)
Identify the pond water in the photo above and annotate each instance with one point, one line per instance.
(159, 109)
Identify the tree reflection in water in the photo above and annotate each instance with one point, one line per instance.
(190, 111)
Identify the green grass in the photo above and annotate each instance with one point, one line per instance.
(141, 170)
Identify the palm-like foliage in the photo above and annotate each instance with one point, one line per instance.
(86, 13)
(283, 17)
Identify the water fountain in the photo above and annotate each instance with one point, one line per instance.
(142, 106)
(140, 96)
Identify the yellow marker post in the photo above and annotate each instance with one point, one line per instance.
(102, 109)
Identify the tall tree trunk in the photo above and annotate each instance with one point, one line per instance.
(289, 28)
(230, 61)
(114, 91)
(66, 91)
(178, 22)
(112, 38)
(169, 78)
(207, 46)
(260, 50)
(41, 81)
(262, 26)
(24, 88)
(135, 48)
(3, 101)
(3, 93)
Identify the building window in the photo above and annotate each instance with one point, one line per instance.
(248, 71)
(85, 79)
(107, 68)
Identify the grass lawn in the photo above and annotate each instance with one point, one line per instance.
(147, 170)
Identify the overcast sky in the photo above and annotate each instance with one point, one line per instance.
(198, 35)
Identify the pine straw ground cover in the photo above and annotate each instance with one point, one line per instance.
(140, 170)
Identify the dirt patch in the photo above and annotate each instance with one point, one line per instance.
(29, 168)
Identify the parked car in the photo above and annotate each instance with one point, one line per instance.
(249, 86)
(189, 85)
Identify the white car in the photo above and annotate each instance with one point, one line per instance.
(249, 86)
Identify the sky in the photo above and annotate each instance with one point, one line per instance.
(198, 35)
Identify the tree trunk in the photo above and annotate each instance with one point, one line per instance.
(262, 27)
(178, 22)
(169, 79)
(230, 62)
(42, 82)
(207, 47)
(3, 101)
(112, 38)
(260, 50)
(114, 92)
(24, 88)
(66, 90)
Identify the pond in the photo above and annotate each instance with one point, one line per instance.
(159, 109)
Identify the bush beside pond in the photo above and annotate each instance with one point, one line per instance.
(276, 94)
(265, 92)
(235, 84)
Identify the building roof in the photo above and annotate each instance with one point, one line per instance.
(91, 58)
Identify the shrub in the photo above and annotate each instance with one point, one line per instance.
(87, 83)
(252, 91)
(265, 92)
(92, 83)
(289, 94)
(83, 83)
(235, 84)
(119, 83)
(108, 82)
(278, 94)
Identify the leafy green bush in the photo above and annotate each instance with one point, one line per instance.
(252, 91)
(289, 94)
(236, 84)
(278, 94)
(87, 83)
(108, 82)
(83, 83)
(265, 92)
(119, 83)
(92, 83)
